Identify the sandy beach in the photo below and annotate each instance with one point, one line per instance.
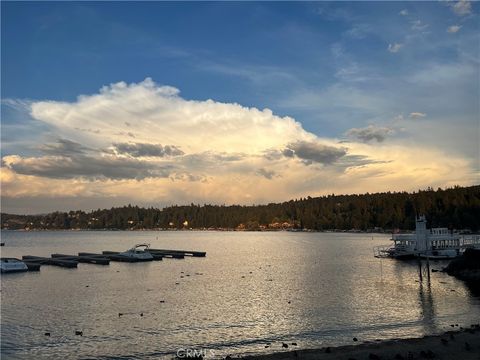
(459, 345)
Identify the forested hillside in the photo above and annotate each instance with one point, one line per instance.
(456, 208)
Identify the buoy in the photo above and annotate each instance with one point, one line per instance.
(78, 332)
(47, 334)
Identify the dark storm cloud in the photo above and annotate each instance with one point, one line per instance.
(89, 167)
(370, 133)
(314, 152)
(147, 150)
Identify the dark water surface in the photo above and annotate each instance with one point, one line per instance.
(315, 289)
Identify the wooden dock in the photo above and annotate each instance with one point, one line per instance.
(83, 259)
(179, 252)
(50, 261)
(116, 256)
(71, 261)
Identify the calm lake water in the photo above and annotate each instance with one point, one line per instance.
(252, 289)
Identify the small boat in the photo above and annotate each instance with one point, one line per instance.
(8, 265)
(139, 252)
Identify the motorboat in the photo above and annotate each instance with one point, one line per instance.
(8, 265)
(139, 253)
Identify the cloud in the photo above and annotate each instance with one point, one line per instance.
(370, 133)
(267, 174)
(419, 25)
(416, 115)
(158, 115)
(87, 167)
(188, 177)
(314, 152)
(453, 29)
(221, 153)
(146, 150)
(63, 147)
(461, 8)
(404, 12)
(395, 47)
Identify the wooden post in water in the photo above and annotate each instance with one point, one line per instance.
(428, 269)
(420, 268)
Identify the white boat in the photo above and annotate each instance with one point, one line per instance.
(435, 243)
(139, 252)
(8, 265)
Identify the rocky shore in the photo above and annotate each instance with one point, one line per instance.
(466, 267)
(463, 344)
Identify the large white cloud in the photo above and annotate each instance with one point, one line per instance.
(146, 144)
(148, 113)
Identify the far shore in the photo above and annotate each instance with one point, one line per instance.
(352, 231)
(462, 345)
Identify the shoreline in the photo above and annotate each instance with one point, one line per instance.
(462, 344)
(210, 230)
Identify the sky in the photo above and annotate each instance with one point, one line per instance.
(159, 103)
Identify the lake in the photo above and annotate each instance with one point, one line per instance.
(252, 289)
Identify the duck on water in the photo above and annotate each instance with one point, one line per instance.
(435, 243)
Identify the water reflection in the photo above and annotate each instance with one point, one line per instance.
(427, 305)
(255, 288)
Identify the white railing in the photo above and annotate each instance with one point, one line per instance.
(471, 241)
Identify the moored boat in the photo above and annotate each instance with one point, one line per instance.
(440, 254)
(139, 253)
(8, 265)
(435, 243)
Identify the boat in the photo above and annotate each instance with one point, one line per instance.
(8, 265)
(435, 243)
(139, 253)
(441, 254)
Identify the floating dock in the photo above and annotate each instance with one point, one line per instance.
(71, 261)
(83, 259)
(50, 261)
(180, 252)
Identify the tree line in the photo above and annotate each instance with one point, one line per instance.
(455, 208)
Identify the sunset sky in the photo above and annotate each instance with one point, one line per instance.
(153, 104)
